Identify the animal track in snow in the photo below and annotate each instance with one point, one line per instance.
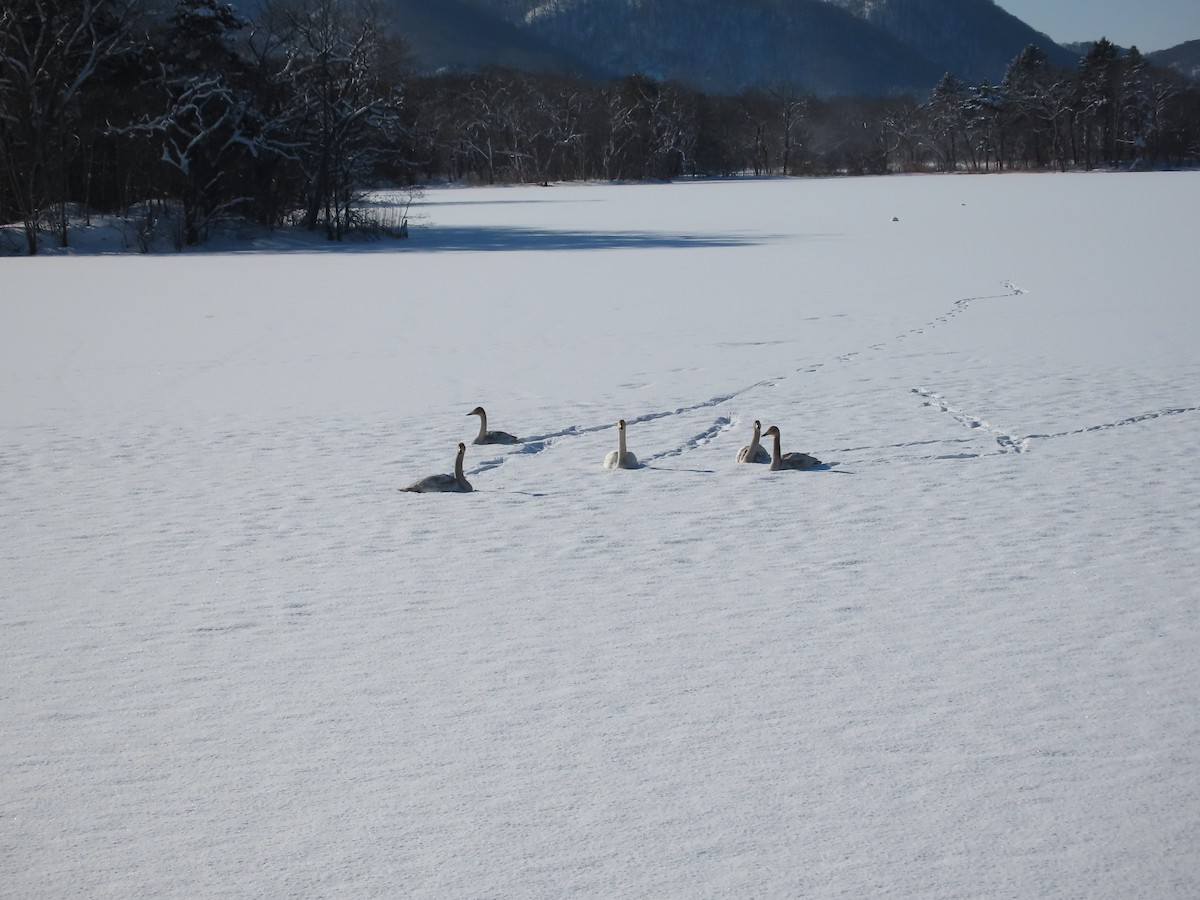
(959, 307)
(722, 424)
(1009, 443)
(541, 443)
(1131, 420)
(1005, 441)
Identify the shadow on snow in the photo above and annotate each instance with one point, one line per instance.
(439, 238)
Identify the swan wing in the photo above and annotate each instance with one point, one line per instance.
(799, 461)
(434, 483)
(500, 437)
(761, 455)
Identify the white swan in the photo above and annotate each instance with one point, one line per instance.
(620, 458)
(788, 460)
(456, 482)
(490, 437)
(754, 452)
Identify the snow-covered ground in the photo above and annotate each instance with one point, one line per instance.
(964, 661)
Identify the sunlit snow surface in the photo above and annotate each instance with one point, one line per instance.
(963, 661)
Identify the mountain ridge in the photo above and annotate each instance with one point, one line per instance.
(826, 47)
(974, 39)
(1183, 58)
(461, 35)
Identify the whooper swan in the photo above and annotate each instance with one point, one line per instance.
(620, 458)
(456, 482)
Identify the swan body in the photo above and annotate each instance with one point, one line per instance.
(788, 460)
(620, 458)
(490, 437)
(754, 452)
(454, 483)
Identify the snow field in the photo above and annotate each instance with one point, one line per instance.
(961, 662)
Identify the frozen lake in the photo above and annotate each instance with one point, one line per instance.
(959, 662)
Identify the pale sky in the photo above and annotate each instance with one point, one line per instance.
(1150, 24)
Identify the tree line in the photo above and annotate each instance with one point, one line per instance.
(201, 114)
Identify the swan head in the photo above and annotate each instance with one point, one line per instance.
(462, 448)
(621, 424)
(477, 411)
(773, 431)
(757, 425)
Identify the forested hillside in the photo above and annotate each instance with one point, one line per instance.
(974, 39)
(724, 47)
(458, 35)
(1184, 59)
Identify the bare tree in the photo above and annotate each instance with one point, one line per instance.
(904, 127)
(792, 106)
(560, 135)
(49, 51)
(336, 59)
(202, 135)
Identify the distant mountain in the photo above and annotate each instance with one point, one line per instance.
(728, 45)
(1184, 58)
(456, 35)
(828, 47)
(1081, 48)
(974, 39)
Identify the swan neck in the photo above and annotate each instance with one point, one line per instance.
(776, 456)
(621, 444)
(458, 468)
(482, 426)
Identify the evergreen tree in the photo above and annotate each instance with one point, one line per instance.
(1099, 102)
(946, 108)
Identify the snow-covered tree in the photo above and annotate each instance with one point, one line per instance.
(1098, 101)
(208, 121)
(946, 110)
(346, 96)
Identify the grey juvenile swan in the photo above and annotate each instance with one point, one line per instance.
(620, 458)
(788, 460)
(456, 482)
(490, 437)
(754, 452)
